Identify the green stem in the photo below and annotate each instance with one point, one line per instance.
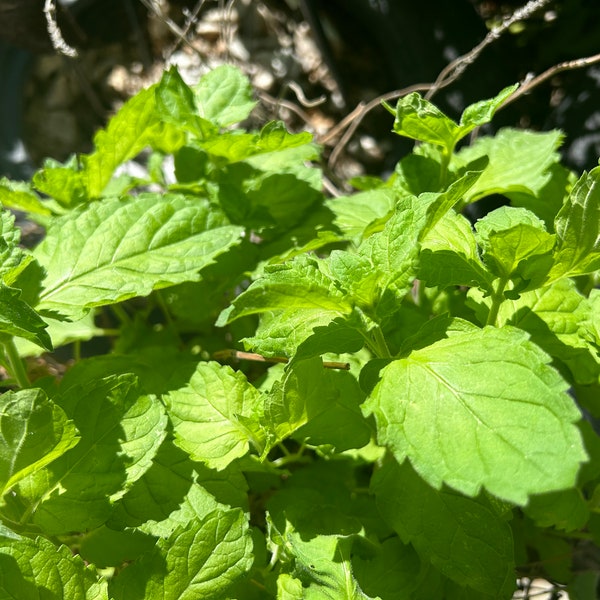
(444, 170)
(111, 332)
(445, 163)
(120, 313)
(497, 300)
(291, 457)
(160, 300)
(15, 363)
(77, 350)
(380, 345)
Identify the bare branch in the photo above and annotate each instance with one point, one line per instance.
(353, 120)
(180, 34)
(568, 65)
(239, 355)
(58, 42)
(449, 74)
(458, 66)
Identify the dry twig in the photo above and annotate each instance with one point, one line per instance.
(458, 66)
(448, 75)
(568, 65)
(239, 355)
(58, 42)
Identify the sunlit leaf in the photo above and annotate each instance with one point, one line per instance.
(480, 410)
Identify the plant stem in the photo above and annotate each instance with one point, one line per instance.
(444, 168)
(77, 350)
(497, 300)
(379, 345)
(291, 457)
(160, 300)
(120, 313)
(15, 363)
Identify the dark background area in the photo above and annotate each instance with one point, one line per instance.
(368, 47)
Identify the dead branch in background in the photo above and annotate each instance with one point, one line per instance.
(568, 65)
(58, 42)
(223, 355)
(354, 119)
(448, 75)
(341, 133)
(458, 66)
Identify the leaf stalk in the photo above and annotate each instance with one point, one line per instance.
(497, 300)
(15, 362)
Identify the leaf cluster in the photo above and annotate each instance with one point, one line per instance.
(422, 433)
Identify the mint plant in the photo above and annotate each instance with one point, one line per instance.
(410, 422)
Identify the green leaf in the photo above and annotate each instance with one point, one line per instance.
(392, 254)
(418, 172)
(215, 417)
(269, 146)
(482, 112)
(358, 274)
(135, 126)
(120, 433)
(200, 560)
(298, 285)
(419, 119)
(513, 241)
(439, 204)
(175, 491)
(549, 198)
(330, 485)
(282, 332)
(33, 432)
(353, 214)
(338, 337)
(591, 329)
(390, 573)
(32, 569)
(62, 333)
(480, 409)
(114, 250)
(210, 490)
(289, 588)
(19, 195)
(433, 330)
(13, 259)
(269, 200)
(274, 138)
(567, 510)
(105, 547)
(158, 493)
(175, 104)
(224, 96)
(19, 319)
(555, 317)
(577, 226)
(519, 161)
(309, 292)
(322, 563)
(465, 538)
(62, 182)
(317, 405)
(449, 255)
